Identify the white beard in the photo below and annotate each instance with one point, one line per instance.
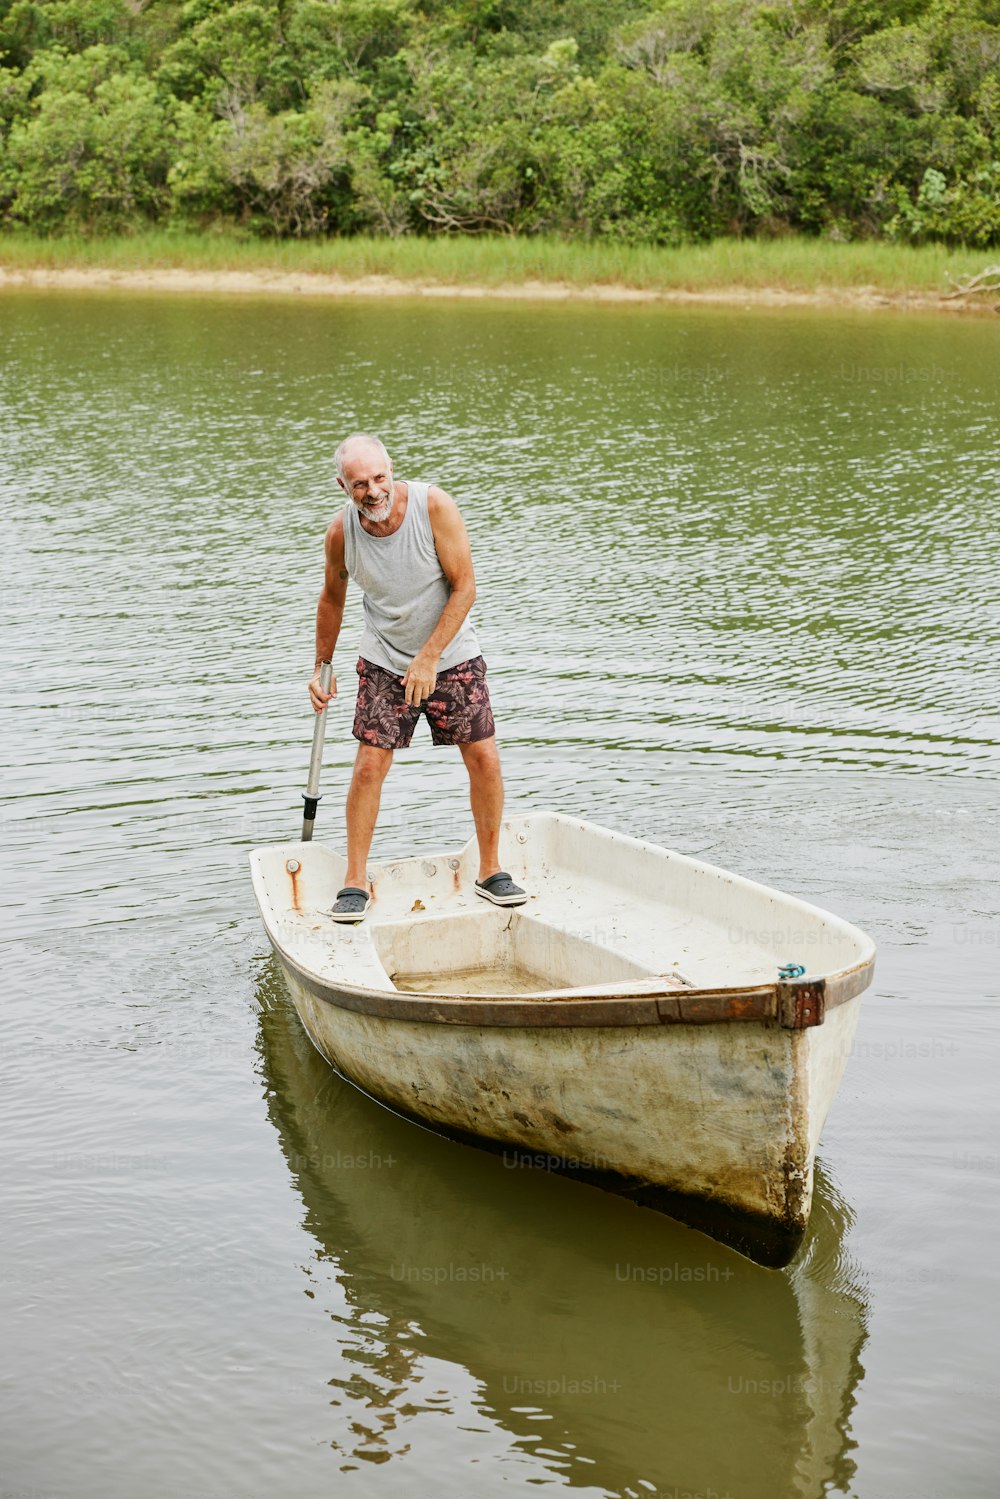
(379, 511)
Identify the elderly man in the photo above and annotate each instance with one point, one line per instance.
(406, 547)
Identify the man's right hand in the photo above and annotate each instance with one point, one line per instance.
(318, 697)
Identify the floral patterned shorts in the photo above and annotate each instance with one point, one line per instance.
(458, 710)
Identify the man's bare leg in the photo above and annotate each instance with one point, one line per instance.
(482, 761)
(363, 799)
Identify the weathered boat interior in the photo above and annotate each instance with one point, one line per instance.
(495, 952)
(604, 909)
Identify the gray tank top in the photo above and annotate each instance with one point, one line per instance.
(404, 586)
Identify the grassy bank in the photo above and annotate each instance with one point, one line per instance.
(792, 265)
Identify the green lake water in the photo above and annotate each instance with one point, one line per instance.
(737, 576)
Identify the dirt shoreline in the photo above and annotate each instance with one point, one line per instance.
(322, 284)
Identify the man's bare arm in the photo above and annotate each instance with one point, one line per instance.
(329, 610)
(451, 541)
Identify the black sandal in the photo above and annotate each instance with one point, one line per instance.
(352, 904)
(501, 890)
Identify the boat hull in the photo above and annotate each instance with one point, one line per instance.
(716, 1125)
(629, 1024)
(696, 1356)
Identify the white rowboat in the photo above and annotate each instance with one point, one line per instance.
(627, 1025)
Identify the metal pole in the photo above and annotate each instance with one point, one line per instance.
(311, 795)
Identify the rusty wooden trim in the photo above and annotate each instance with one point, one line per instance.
(715, 1006)
(444, 1010)
(693, 1007)
(796, 1004)
(801, 1003)
(840, 987)
(804, 1002)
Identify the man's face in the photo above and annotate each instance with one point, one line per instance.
(368, 481)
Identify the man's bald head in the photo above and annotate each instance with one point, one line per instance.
(360, 445)
(364, 471)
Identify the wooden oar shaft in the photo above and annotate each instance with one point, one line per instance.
(311, 795)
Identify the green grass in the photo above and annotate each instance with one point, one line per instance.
(792, 264)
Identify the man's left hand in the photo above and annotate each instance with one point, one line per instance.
(420, 678)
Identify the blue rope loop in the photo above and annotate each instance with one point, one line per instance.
(791, 971)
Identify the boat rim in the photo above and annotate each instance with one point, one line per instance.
(795, 1004)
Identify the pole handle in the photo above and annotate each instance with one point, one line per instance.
(311, 794)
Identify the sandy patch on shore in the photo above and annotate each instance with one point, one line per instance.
(318, 284)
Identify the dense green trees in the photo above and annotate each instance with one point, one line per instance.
(644, 122)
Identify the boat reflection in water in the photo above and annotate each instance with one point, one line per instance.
(638, 1351)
